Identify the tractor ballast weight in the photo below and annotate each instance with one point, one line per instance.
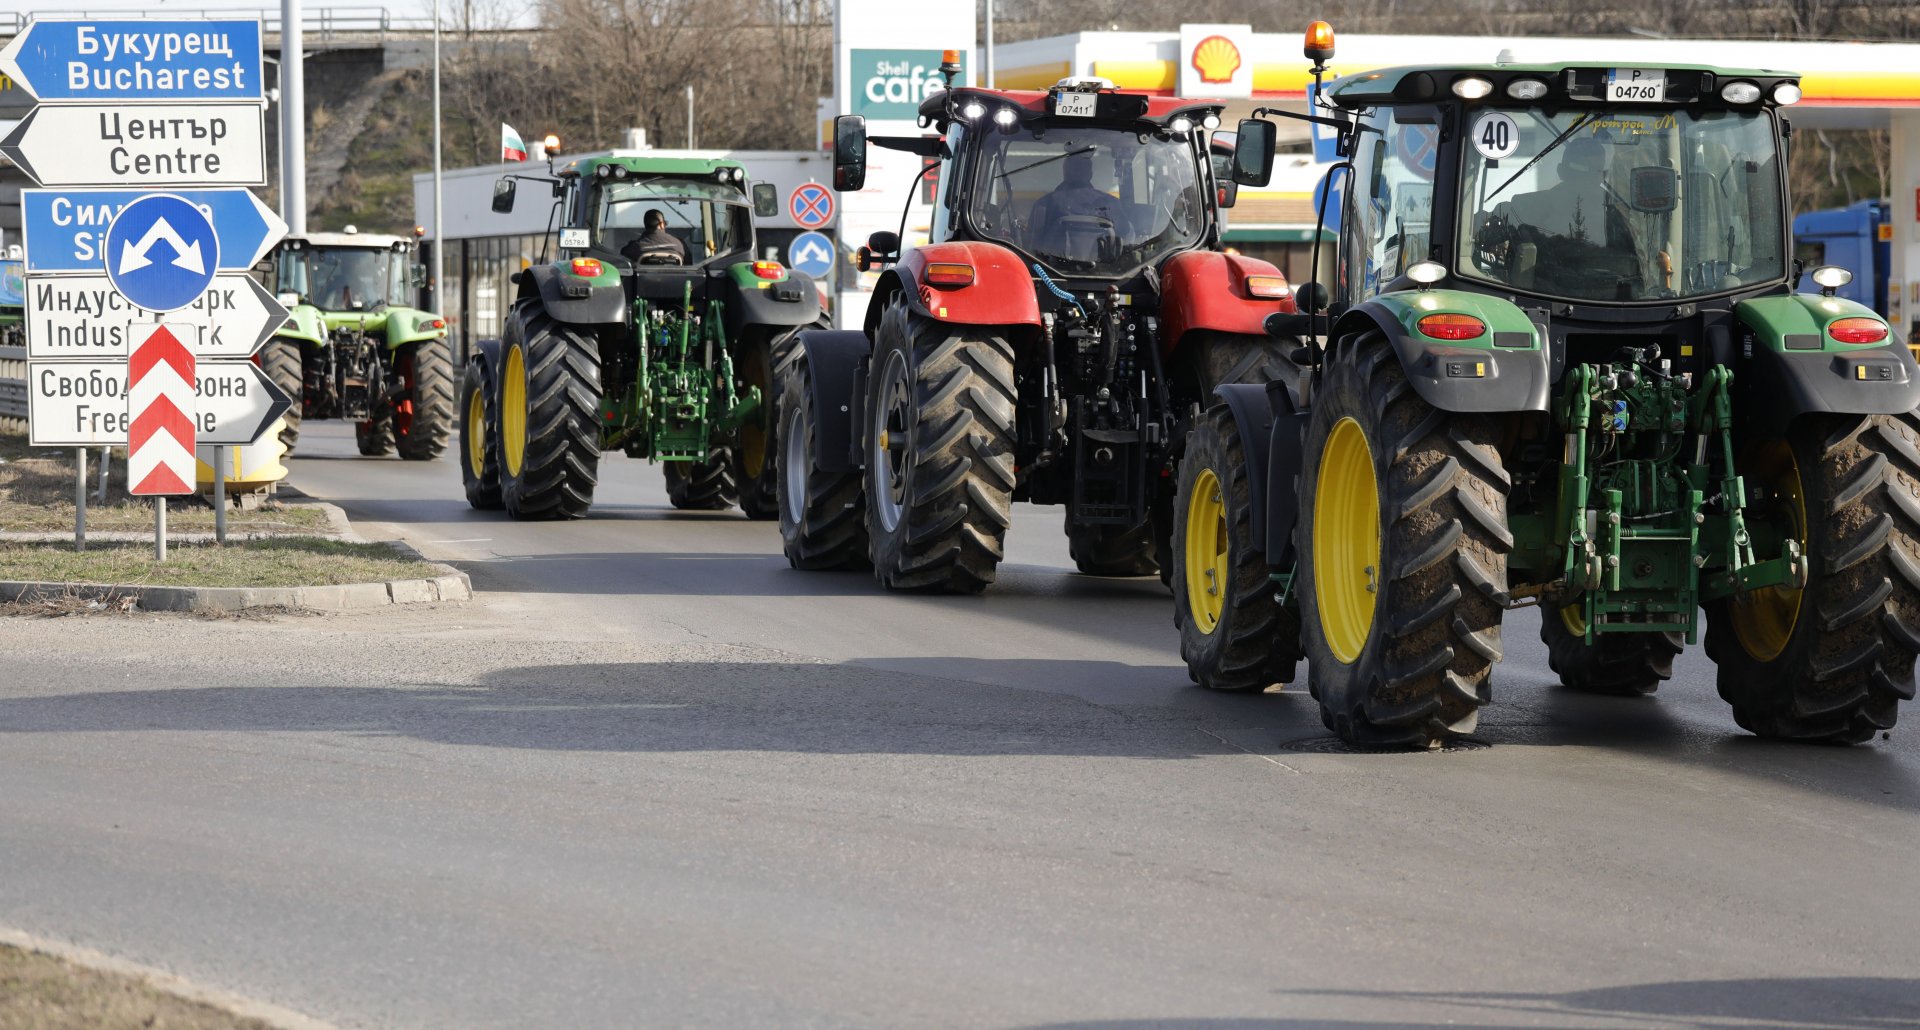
(1595, 393)
(654, 332)
(1070, 310)
(354, 347)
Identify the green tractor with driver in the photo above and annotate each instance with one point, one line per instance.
(1562, 365)
(355, 347)
(654, 332)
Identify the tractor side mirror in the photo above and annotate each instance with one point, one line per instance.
(503, 191)
(1653, 188)
(883, 248)
(1310, 297)
(417, 275)
(849, 153)
(766, 200)
(1253, 152)
(1229, 194)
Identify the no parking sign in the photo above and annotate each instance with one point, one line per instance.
(811, 205)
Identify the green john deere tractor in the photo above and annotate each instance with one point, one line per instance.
(654, 332)
(1561, 364)
(354, 347)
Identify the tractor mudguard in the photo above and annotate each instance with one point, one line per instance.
(304, 322)
(487, 353)
(1205, 289)
(1502, 369)
(572, 299)
(1002, 291)
(1796, 368)
(1252, 412)
(834, 357)
(409, 325)
(787, 301)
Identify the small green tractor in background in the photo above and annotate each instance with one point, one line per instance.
(666, 353)
(355, 347)
(1562, 365)
(13, 304)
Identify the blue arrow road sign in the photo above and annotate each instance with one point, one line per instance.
(66, 230)
(811, 253)
(161, 252)
(136, 60)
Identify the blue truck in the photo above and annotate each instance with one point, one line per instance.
(1858, 238)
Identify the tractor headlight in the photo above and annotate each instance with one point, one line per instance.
(1472, 87)
(1832, 276)
(1740, 92)
(1181, 125)
(602, 171)
(1211, 121)
(1526, 89)
(1786, 93)
(1005, 117)
(973, 111)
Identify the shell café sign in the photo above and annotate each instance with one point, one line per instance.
(888, 85)
(1216, 61)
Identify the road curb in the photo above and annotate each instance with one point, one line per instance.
(165, 982)
(450, 585)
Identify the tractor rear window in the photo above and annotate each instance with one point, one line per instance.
(1089, 200)
(709, 219)
(343, 278)
(1622, 204)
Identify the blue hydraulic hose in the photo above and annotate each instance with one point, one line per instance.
(1047, 281)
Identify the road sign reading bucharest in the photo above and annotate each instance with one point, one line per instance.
(84, 403)
(161, 252)
(136, 60)
(65, 230)
(77, 317)
(206, 144)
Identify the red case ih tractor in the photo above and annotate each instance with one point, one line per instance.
(1071, 313)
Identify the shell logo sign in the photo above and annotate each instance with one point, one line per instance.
(1216, 60)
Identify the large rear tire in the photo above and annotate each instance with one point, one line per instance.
(1234, 634)
(1112, 550)
(757, 458)
(549, 397)
(823, 515)
(426, 369)
(702, 485)
(479, 438)
(283, 362)
(1620, 664)
(1404, 565)
(1830, 662)
(939, 453)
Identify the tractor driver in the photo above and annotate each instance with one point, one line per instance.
(1585, 244)
(1576, 206)
(1075, 197)
(656, 246)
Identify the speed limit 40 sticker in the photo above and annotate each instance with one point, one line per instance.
(1496, 136)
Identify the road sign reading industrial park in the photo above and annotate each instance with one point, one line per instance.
(65, 230)
(152, 145)
(83, 317)
(118, 61)
(84, 403)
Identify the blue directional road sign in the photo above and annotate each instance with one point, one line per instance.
(811, 253)
(136, 60)
(66, 230)
(161, 253)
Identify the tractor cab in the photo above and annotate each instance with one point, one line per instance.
(347, 273)
(1082, 180)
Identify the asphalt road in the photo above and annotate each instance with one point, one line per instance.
(653, 777)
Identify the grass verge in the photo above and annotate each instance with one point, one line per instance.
(288, 562)
(36, 496)
(40, 992)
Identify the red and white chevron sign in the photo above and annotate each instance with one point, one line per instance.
(160, 409)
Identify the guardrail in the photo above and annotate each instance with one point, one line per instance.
(13, 383)
(323, 22)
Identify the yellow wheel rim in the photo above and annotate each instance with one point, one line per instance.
(753, 435)
(476, 429)
(1346, 540)
(513, 411)
(1763, 620)
(1206, 551)
(1574, 617)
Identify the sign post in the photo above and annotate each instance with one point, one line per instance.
(140, 314)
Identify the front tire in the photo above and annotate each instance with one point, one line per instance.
(1619, 664)
(283, 362)
(823, 515)
(549, 395)
(939, 453)
(427, 369)
(479, 439)
(1403, 517)
(1832, 661)
(1099, 550)
(374, 437)
(1234, 634)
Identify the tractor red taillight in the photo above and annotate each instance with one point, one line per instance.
(1272, 287)
(1452, 327)
(588, 268)
(768, 269)
(1857, 330)
(947, 273)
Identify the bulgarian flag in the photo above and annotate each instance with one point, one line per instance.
(511, 149)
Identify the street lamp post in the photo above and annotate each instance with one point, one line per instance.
(439, 216)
